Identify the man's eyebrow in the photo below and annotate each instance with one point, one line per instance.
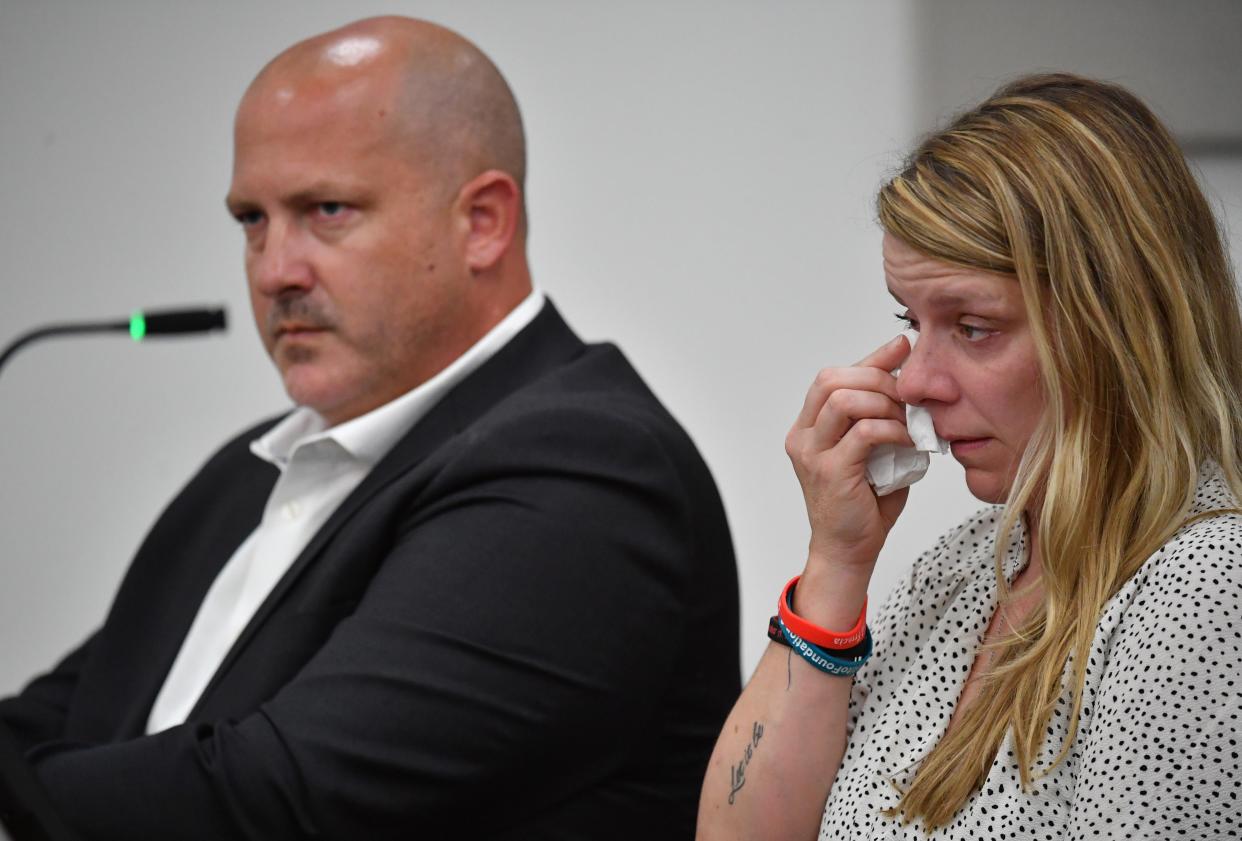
(318, 190)
(313, 192)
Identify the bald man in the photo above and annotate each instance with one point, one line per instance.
(478, 583)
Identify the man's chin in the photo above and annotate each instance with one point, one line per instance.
(307, 386)
(336, 398)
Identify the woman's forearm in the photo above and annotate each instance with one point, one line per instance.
(779, 751)
(781, 747)
(777, 755)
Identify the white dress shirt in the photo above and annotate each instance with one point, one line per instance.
(319, 466)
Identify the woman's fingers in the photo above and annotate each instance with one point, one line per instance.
(888, 356)
(844, 407)
(830, 380)
(869, 433)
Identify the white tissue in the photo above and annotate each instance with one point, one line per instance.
(891, 468)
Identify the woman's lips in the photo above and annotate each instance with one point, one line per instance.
(960, 446)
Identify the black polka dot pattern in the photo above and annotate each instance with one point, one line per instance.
(1158, 752)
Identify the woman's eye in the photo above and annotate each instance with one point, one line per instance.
(971, 333)
(908, 320)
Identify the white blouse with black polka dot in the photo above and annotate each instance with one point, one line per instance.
(1157, 753)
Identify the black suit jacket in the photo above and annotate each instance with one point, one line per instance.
(522, 624)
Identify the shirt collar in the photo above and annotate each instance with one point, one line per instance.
(369, 437)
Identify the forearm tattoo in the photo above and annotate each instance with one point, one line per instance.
(738, 773)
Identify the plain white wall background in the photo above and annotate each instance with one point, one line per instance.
(701, 185)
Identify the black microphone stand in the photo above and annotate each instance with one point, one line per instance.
(139, 326)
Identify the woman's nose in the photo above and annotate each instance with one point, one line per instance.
(925, 377)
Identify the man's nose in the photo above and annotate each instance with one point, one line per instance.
(280, 261)
(925, 377)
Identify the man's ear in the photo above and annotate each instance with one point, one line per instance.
(490, 207)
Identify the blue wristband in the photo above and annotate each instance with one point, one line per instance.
(821, 659)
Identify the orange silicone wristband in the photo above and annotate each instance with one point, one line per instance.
(813, 633)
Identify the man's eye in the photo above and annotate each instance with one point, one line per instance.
(249, 218)
(331, 208)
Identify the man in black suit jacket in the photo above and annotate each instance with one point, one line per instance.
(519, 622)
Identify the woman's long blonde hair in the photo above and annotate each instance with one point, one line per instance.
(1073, 187)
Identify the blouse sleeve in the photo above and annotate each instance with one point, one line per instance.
(1161, 759)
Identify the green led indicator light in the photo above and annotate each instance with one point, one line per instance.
(137, 326)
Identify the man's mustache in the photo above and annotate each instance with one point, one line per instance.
(298, 310)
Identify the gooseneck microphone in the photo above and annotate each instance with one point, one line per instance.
(139, 325)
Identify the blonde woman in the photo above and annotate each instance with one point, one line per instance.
(1068, 662)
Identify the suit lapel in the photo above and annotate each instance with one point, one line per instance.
(231, 521)
(542, 346)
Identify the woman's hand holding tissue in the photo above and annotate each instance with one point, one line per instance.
(891, 468)
(848, 412)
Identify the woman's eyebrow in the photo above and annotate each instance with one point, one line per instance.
(973, 298)
(948, 298)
